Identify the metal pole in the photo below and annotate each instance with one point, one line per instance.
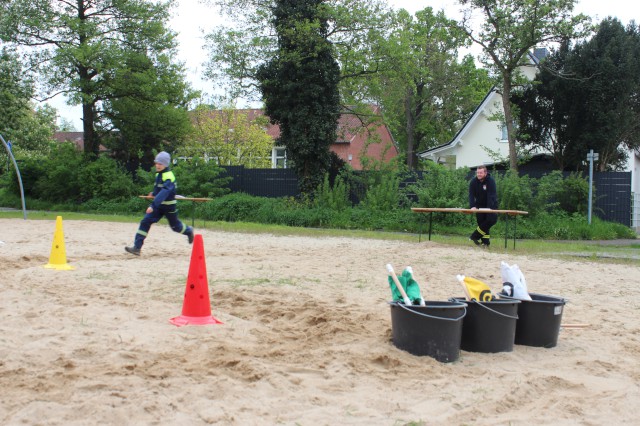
(24, 208)
(591, 156)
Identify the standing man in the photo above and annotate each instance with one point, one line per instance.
(164, 204)
(482, 195)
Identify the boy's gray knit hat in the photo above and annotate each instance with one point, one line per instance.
(163, 158)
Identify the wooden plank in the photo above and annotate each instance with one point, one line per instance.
(468, 211)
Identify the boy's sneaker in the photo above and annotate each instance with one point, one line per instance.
(133, 250)
(476, 242)
(190, 235)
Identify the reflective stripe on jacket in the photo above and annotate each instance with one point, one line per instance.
(164, 189)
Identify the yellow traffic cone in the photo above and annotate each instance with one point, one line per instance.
(58, 256)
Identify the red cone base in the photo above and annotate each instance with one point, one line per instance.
(185, 320)
(196, 308)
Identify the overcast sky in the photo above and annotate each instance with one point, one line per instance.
(191, 18)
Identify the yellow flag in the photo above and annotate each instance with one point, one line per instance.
(478, 290)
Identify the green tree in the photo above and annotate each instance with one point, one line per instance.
(81, 47)
(148, 106)
(587, 98)
(543, 110)
(300, 88)
(236, 52)
(426, 92)
(508, 31)
(30, 129)
(229, 137)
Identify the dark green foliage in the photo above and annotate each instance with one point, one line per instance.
(300, 88)
(67, 182)
(236, 207)
(60, 180)
(26, 128)
(115, 58)
(197, 178)
(574, 194)
(383, 191)
(30, 171)
(586, 97)
(148, 107)
(67, 176)
(105, 179)
(441, 187)
(514, 192)
(563, 226)
(334, 197)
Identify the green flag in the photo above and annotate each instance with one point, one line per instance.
(410, 286)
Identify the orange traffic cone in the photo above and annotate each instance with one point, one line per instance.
(196, 308)
(58, 256)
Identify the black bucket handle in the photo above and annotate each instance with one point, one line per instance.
(403, 306)
(488, 308)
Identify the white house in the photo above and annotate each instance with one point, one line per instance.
(481, 136)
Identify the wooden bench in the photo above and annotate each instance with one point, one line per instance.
(507, 213)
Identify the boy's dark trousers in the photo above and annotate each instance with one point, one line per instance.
(168, 211)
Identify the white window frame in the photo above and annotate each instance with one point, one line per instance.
(275, 157)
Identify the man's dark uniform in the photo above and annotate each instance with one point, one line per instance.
(483, 194)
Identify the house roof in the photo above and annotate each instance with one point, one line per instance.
(457, 138)
(348, 125)
(353, 136)
(77, 138)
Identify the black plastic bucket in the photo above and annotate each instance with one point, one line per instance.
(489, 326)
(433, 330)
(539, 320)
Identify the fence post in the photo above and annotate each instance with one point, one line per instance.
(591, 156)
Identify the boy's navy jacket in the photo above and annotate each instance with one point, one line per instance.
(164, 189)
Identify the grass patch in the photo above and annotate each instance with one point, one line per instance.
(627, 252)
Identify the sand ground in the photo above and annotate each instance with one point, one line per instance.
(306, 338)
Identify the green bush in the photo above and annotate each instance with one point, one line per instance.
(197, 178)
(441, 187)
(237, 207)
(574, 197)
(105, 179)
(60, 181)
(383, 193)
(548, 193)
(31, 170)
(334, 197)
(514, 192)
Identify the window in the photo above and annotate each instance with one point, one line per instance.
(279, 158)
(505, 136)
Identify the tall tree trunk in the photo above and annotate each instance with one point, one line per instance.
(410, 123)
(91, 144)
(508, 119)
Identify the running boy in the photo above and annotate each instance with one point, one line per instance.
(164, 204)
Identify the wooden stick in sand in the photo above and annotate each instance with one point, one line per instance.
(398, 285)
(464, 287)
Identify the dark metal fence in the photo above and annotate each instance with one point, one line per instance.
(263, 182)
(613, 198)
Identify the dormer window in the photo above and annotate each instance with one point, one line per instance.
(504, 136)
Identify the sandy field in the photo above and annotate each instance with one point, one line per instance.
(306, 338)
